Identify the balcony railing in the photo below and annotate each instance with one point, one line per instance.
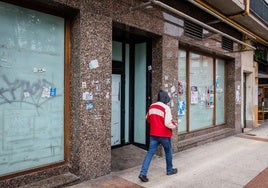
(260, 8)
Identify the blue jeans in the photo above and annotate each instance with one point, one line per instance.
(154, 143)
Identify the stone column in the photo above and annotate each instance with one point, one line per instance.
(91, 63)
(234, 89)
(170, 76)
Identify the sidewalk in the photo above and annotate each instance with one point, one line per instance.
(234, 162)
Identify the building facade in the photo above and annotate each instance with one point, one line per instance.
(77, 77)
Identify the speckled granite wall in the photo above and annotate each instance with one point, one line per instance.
(238, 93)
(90, 143)
(157, 59)
(234, 88)
(91, 39)
(170, 76)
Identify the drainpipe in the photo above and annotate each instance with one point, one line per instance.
(171, 9)
(227, 20)
(244, 13)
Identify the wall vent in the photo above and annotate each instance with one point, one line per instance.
(192, 30)
(227, 44)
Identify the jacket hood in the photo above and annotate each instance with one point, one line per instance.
(163, 97)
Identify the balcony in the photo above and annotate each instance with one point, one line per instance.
(260, 9)
(254, 18)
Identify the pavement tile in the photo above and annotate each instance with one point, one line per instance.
(260, 181)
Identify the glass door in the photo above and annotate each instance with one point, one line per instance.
(140, 94)
(129, 93)
(116, 110)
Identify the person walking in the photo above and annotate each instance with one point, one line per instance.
(161, 124)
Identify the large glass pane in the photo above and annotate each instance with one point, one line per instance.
(220, 92)
(117, 51)
(182, 112)
(140, 94)
(201, 91)
(116, 110)
(127, 94)
(31, 89)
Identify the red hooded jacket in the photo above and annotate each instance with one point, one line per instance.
(160, 119)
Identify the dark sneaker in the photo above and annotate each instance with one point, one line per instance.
(173, 171)
(143, 178)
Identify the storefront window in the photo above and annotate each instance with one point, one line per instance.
(31, 89)
(182, 92)
(197, 98)
(201, 91)
(220, 91)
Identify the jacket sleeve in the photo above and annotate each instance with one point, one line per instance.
(168, 119)
(147, 117)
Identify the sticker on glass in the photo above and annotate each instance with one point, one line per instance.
(46, 92)
(53, 91)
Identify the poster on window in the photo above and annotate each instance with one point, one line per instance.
(194, 95)
(181, 108)
(180, 88)
(210, 97)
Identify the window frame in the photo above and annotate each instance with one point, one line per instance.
(189, 50)
(66, 83)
